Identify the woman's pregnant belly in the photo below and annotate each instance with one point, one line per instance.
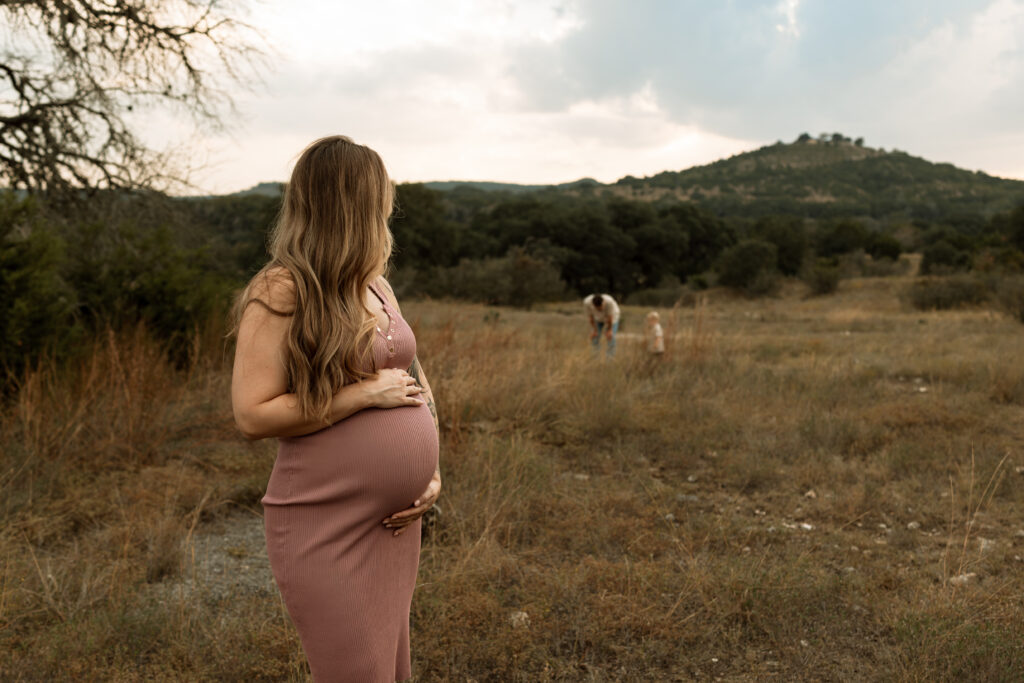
(381, 459)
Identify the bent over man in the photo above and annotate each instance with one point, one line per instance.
(603, 313)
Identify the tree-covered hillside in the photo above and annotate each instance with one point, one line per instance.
(830, 178)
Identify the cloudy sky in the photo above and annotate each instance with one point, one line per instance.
(547, 91)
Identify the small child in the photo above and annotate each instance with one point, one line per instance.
(655, 337)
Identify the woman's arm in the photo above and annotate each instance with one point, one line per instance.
(262, 405)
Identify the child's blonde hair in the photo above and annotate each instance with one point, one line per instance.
(653, 317)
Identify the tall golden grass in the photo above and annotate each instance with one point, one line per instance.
(802, 489)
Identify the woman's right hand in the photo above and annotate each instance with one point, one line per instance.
(392, 388)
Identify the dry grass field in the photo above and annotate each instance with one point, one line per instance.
(802, 489)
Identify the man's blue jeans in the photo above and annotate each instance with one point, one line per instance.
(596, 341)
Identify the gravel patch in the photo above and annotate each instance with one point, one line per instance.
(225, 560)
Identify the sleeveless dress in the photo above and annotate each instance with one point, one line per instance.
(347, 582)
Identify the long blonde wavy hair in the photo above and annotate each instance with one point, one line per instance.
(332, 238)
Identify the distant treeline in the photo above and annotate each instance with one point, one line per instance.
(173, 264)
(483, 246)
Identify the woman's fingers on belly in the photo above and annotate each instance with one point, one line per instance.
(400, 520)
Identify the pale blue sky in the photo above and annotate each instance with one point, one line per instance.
(551, 91)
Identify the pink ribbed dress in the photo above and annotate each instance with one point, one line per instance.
(346, 580)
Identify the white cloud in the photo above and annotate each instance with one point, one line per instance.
(788, 25)
(944, 96)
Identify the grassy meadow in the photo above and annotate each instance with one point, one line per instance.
(803, 488)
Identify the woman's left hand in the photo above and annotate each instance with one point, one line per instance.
(401, 520)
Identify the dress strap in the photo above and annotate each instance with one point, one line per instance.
(377, 293)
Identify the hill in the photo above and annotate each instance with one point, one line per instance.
(514, 188)
(823, 178)
(266, 189)
(817, 178)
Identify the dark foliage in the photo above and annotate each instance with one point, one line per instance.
(943, 257)
(36, 304)
(941, 293)
(842, 237)
(749, 266)
(788, 235)
(881, 246)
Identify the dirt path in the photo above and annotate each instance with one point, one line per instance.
(224, 560)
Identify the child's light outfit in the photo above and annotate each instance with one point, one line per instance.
(655, 339)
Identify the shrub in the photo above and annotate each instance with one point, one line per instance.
(1010, 293)
(942, 258)
(822, 278)
(668, 292)
(940, 293)
(516, 279)
(788, 235)
(127, 274)
(698, 282)
(842, 238)
(881, 246)
(35, 302)
(749, 266)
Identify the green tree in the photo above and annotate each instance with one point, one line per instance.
(881, 246)
(517, 279)
(750, 266)
(943, 257)
(423, 234)
(235, 227)
(841, 238)
(789, 237)
(1012, 226)
(706, 237)
(36, 304)
(126, 273)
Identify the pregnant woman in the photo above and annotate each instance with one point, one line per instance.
(326, 363)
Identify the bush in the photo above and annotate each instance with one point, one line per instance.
(941, 293)
(822, 278)
(668, 292)
(842, 238)
(881, 246)
(788, 235)
(127, 274)
(35, 303)
(516, 279)
(943, 258)
(749, 266)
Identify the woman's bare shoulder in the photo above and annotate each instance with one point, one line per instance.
(274, 288)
